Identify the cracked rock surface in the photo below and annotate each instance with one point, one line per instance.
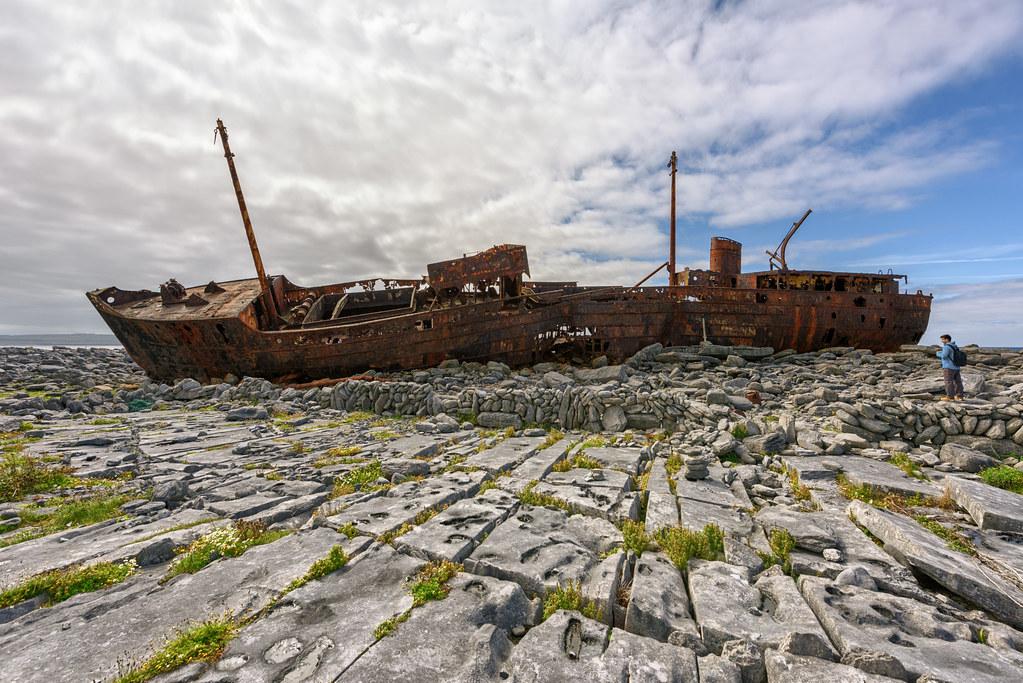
(795, 517)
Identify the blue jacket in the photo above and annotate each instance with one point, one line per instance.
(946, 357)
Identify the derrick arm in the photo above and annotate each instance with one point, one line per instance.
(777, 257)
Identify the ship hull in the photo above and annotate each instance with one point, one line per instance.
(615, 322)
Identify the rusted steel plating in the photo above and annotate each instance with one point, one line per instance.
(673, 165)
(777, 257)
(264, 284)
(503, 261)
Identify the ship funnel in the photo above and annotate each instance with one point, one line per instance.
(725, 256)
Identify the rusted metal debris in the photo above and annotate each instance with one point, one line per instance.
(480, 307)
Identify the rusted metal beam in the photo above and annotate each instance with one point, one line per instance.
(652, 273)
(777, 257)
(673, 165)
(264, 284)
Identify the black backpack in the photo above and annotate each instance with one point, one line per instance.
(958, 356)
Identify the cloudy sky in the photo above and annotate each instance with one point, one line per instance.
(372, 138)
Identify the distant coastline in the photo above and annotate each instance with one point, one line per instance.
(59, 340)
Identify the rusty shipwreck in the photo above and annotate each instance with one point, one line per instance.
(481, 307)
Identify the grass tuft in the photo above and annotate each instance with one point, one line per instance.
(60, 584)
(800, 491)
(225, 541)
(681, 544)
(635, 537)
(890, 501)
(359, 479)
(389, 626)
(902, 461)
(570, 597)
(580, 461)
(205, 641)
(953, 539)
(529, 496)
(739, 432)
(1004, 477)
(782, 544)
(594, 442)
(553, 437)
(341, 455)
(431, 582)
(23, 475)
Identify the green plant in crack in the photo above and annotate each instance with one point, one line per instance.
(60, 514)
(579, 461)
(362, 478)
(204, 641)
(60, 584)
(529, 496)
(225, 541)
(429, 584)
(902, 461)
(1003, 477)
(782, 543)
(635, 536)
(681, 544)
(570, 597)
(953, 539)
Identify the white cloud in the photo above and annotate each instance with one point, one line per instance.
(373, 138)
(988, 309)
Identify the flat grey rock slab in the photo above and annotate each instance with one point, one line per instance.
(539, 465)
(289, 507)
(991, 507)
(880, 475)
(317, 631)
(814, 531)
(456, 531)
(658, 603)
(78, 641)
(21, 561)
(696, 514)
(507, 454)
(596, 501)
(237, 508)
(463, 637)
(883, 477)
(707, 490)
(608, 479)
(540, 548)
(717, 669)
(928, 554)
(661, 511)
(887, 634)
(402, 503)
(658, 481)
(570, 647)
(783, 667)
(628, 460)
(413, 446)
(727, 607)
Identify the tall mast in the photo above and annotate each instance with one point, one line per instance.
(673, 164)
(264, 285)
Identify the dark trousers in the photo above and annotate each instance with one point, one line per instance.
(953, 383)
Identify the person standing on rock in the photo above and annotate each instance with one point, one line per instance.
(953, 375)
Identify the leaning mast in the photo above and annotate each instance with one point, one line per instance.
(264, 284)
